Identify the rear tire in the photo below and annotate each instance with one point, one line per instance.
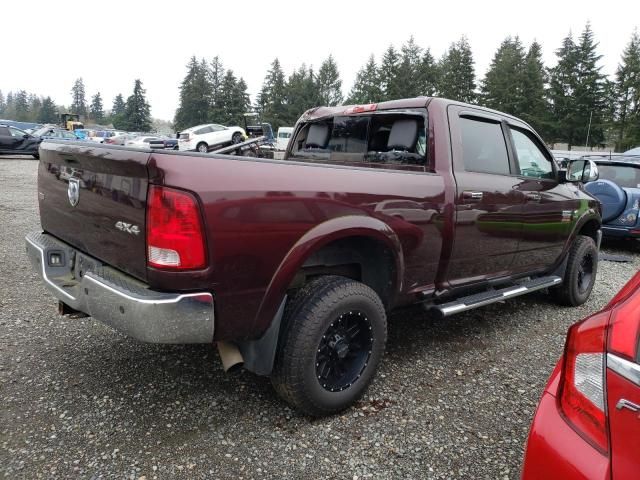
(580, 275)
(333, 339)
(236, 138)
(202, 147)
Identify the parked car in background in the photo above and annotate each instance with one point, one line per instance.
(203, 138)
(587, 424)
(54, 132)
(618, 190)
(100, 136)
(633, 151)
(120, 138)
(142, 141)
(284, 134)
(164, 143)
(18, 142)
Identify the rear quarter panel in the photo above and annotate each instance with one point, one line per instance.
(257, 213)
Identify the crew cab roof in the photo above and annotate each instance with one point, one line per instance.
(407, 103)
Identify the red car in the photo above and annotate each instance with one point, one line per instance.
(587, 424)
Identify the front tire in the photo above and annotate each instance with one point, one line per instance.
(335, 330)
(236, 138)
(202, 147)
(580, 275)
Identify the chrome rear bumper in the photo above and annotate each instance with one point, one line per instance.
(119, 300)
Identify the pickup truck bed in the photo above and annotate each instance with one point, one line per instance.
(419, 201)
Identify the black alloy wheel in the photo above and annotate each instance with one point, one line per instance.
(344, 351)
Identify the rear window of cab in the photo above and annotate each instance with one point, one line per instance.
(381, 139)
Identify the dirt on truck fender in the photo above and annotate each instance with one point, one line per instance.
(292, 266)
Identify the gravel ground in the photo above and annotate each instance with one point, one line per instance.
(453, 398)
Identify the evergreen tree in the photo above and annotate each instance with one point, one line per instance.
(408, 79)
(562, 91)
(457, 77)
(216, 78)
(96, 109)
(503, 85)
(627, 91)
(577, 92)
(48, 112)
(234, 99)
(78, 98)
(35, 104)
(137, 113)
(301, 93)
(366, 88)
(9, 106)
(535, 108)
(21, 106)
(271, 102)
(428, 74)
(118, 105)
(591, 88)
(3, 104)
(329, 85)
(388, 75)
(195, 96)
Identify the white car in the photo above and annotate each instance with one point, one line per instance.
(141, 141)
(203, 138)
(284, 134)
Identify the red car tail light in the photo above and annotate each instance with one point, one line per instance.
(175, 238)
(624, 332)
(582, 395)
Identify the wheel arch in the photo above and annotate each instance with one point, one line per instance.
(326, 249)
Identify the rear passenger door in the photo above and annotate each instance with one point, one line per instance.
(488, 208)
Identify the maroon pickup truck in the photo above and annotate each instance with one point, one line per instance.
(290, 266)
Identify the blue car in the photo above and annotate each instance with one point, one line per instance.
(618, 190)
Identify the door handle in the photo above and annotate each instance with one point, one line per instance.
(477, 196)
(624, 403)
(533, 197)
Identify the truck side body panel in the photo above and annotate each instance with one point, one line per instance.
(254, 218)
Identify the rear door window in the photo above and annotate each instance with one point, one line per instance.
(385, 138)
(483, 146)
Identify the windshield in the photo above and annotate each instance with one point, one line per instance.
(626, 177)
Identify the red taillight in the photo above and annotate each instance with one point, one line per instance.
(624, 332)
(582, 395)
(175, 237)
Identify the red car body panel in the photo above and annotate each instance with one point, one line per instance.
(557, 449)
(554, 449)
(624, 427)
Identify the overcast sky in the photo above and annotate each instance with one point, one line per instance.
(49, 44)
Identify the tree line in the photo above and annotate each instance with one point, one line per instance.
(134, 114)
(572, 102)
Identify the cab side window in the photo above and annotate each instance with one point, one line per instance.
(533, 163)
(484, 149)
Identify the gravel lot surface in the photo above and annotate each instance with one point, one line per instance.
(453, 398)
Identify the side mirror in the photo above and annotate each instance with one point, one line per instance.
(26, 135)
(582, 171)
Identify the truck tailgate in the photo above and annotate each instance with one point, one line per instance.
(93, 197)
